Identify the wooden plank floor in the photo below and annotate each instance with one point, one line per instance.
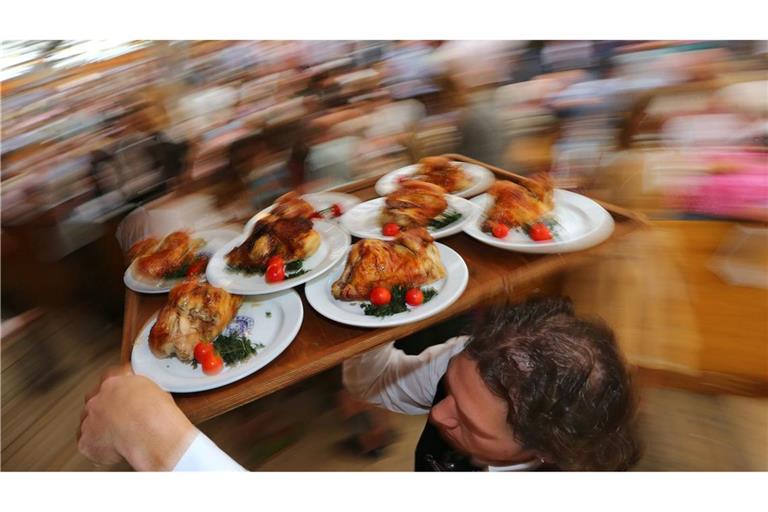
(668, 311)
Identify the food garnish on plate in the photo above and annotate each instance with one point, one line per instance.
(524, 206)
(443, 172)
(415, 204)
(173, 257)
(386, 273)
(281, 238)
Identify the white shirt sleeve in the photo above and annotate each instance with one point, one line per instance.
(204, 455)
(389, 378)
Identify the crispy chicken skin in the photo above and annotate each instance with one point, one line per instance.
(410, 260)
(517, 205)
(168, 256)
(286, 231)
(291, 205)
(141, 248)
(414, 204)
(194, 312)
(443, 172)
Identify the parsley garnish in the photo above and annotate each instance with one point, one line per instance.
(397, 304)
(234, 348)
(446, 218)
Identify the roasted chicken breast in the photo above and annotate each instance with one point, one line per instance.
(444, 173)
(410, 260)
(194, 312)
(286, 231)
(519, 205)
(158, 260)
(414, 204)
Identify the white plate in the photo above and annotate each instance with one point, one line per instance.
(583, 224)
(319, 200)
(214, 239)
(481, 179)
(363, 221)
(275, 331)
(334, 242)
(318, 294)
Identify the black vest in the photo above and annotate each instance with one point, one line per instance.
(433, 453)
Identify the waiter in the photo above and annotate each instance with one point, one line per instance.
(533, 387)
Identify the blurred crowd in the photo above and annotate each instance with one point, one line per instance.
(673, 128)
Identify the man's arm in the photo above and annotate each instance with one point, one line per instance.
(129, 417)
(389, 378)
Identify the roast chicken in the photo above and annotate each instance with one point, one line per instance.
(519, 205)
(286, 231)
(410, 260)
(443, 172)
(414, 204)
(156, 260)
(195, 312)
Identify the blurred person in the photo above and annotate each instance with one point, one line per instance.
(534, 386)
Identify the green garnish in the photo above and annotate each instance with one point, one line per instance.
(397, 304)
(446, 218)
(294, 269)
(269, 314)
(180, 272)
(429, 294)
(234, 348)
(294, 265)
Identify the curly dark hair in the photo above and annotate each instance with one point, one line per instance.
(569, 392)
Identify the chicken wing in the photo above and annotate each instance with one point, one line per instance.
(410, 260)
(443, 172)
(168, 256)
(194, 312)
(517, 205)
(414, 204)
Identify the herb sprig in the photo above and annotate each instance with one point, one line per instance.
(397, 304)
(234, 348)
(447, 218)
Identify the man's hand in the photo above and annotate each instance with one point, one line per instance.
(129, 417)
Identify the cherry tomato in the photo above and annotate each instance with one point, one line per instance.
(380, 296)
(500, 230)
(202, 351)
(275, 273)
(212, 364)
(198, 266)
(336, 210)
(275, 260)
(390, 229)
(316, 215)
(414, 297)
(540, 232)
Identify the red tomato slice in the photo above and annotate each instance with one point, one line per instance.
(275, 273)
(380, 296)
(390, 229)
(414, 297)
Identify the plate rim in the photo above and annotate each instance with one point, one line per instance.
(368, 322)
(293, 331)
(598, 234)
(297, 281)
(468, 193)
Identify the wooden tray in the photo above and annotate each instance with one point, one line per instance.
(494, 274)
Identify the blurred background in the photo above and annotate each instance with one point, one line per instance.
(104, 143)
